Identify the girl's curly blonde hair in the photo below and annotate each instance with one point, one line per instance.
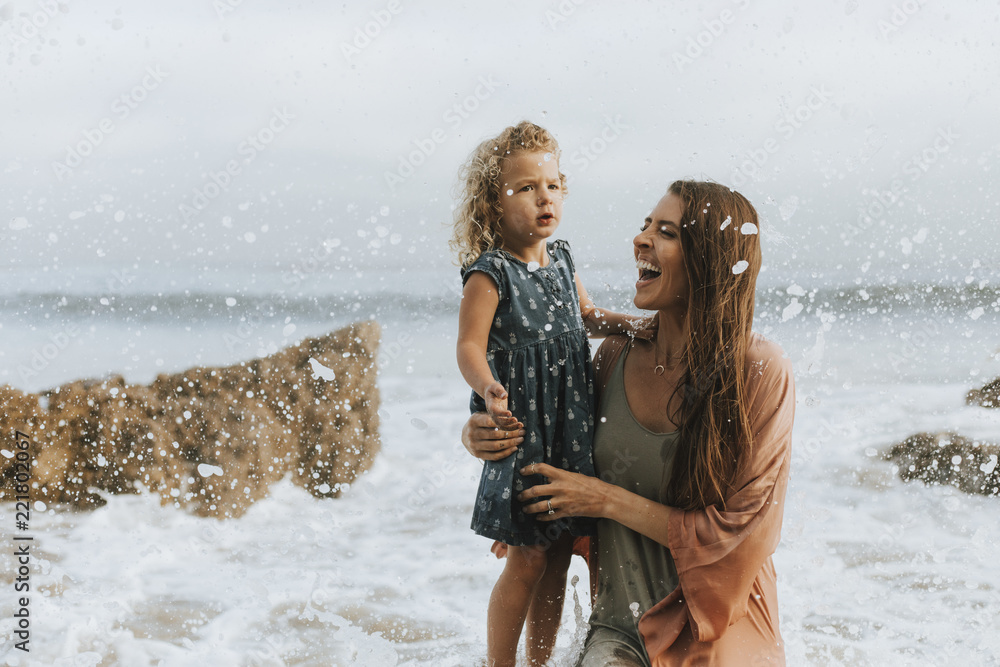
(477, 216)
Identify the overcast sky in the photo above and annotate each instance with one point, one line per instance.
(347, 125)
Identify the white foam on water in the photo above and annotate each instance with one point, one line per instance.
(871, 570)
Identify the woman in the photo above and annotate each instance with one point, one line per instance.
(692, 451)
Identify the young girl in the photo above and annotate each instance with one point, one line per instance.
(522, 347)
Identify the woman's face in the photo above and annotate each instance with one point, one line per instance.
(663, 282)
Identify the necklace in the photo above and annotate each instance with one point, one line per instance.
(659, 368)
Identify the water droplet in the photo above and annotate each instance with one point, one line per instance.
(206, 470)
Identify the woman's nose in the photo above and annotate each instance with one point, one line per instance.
(640, 240)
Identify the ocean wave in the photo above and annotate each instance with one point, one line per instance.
(442, 300)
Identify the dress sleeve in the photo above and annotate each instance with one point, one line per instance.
(491, 264)
(560, 248)
(719, 553)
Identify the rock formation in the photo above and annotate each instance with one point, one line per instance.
(987, 397)
(209, 439)
(948, 458)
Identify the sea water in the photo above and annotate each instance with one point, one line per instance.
(872, 571)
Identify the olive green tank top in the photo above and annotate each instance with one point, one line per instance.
(634, 572)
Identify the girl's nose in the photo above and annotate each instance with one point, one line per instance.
(640, 240)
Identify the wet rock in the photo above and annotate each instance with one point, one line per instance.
(209, 439)
(948, 458)
(988, 396)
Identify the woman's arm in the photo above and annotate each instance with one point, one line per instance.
(601, 322)
(572, 494)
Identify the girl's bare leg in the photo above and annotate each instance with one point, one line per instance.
(509, 603)
(546, 607)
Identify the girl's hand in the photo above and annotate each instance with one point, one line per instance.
(485, 440)
(499, 550)
(496, 404)
(568, 494)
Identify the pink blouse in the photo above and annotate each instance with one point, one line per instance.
(725, 609)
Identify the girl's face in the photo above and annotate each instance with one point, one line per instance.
(663, 282)
(531, 196)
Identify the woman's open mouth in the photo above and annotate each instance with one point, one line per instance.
(647, 272)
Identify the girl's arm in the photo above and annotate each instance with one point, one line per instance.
(475, 316)
(601, 322)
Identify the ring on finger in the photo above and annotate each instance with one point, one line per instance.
(549, 503)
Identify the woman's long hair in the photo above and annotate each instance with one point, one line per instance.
(720, 240)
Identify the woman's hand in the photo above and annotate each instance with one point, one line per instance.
(485, 440)
(568, 494)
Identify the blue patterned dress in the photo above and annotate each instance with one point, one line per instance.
(538, 350)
